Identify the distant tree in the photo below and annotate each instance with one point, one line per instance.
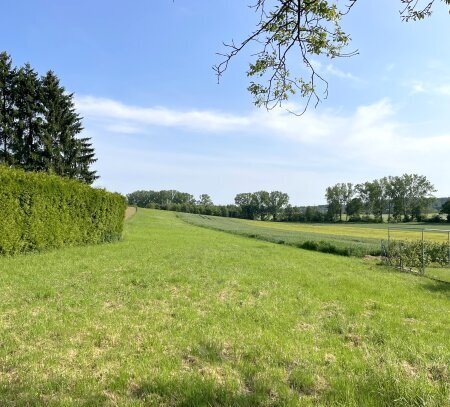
(420, 195)
(309, 214)
(337, 198)
(411, 194)
(205, 200)
(260, 201)
(246, 204)
(446, 210)
(347, 192)
(276, 203)
(373, 197)
(354, 207)
(334, 203)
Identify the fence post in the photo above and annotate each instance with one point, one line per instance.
(389, 246)
(423, 255)
(449, 248)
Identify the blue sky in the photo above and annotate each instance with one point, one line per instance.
(141, 73)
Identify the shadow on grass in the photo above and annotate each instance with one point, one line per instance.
(438, 286)
(194, 393)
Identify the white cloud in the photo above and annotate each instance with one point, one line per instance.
(418, 87)
(102, 108)
(431, 88)
(366, 143)
(330, 69)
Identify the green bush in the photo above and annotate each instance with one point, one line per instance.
(417, 254)
(40, 211)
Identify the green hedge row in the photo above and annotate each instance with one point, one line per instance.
(40, 211)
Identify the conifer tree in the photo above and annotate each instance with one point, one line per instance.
(39, 126)
(85, 157)
(63, 153)
(6, 108)
(28, 119)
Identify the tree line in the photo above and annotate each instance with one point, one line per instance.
(260, 205)
(39, 127)
(173, 200)
(402, 198)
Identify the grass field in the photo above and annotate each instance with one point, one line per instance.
(330, 243)
(177, 315)
(370, 231)
(349, 240)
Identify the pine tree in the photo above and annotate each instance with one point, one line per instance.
(39, 126)
(7, 74)
(85, 158)
(26, 144)
(63, 153)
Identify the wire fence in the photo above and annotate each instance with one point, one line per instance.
(420, 250)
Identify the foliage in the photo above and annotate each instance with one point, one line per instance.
(298, 30)
(354, 208)
(41, 211)
(307, 214)
(205, 200)
(418, 254)
(163, 198)
(338, 197)
(446, 209)
(403, 198)
(262, 204)
(256, 205)
(417, 9)
(176, 315)
(39, 127)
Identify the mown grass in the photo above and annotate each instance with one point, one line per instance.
(177, 315)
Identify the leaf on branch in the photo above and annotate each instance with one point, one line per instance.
(290, 29)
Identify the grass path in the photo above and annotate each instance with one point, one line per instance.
(130, 211)
(177, 315)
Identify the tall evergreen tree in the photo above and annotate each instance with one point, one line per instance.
(85, 157)
(63, 153)
(28, 119)
(7, 74)
(39, 126)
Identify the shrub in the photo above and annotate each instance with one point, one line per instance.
(40, 211)
(416, 254)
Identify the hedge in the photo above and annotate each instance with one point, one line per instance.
(40, 211)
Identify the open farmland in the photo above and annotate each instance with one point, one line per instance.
(324, 242)
(176, 315)
(367, 237)
(367, 231)
(343, 239)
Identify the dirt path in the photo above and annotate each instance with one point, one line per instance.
(130, 211)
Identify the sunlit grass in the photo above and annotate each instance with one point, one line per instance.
(177, 315)
(379, 232)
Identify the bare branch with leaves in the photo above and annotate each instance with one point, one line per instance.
(298, 30)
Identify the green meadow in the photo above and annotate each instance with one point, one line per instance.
(328, 242)
(181, 315)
